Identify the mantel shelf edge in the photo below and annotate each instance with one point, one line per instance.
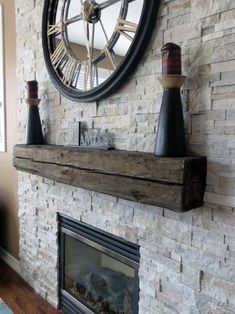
(174, 183)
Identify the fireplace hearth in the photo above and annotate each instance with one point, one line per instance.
(98, 272)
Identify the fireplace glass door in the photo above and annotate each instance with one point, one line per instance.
(97, 275)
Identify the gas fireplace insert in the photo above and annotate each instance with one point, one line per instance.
(98, 272)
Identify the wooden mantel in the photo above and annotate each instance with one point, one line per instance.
(173, 183)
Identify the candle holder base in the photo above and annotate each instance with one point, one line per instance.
(172, 80)
(34, 134)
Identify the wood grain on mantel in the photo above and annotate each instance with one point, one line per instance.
(174, 183)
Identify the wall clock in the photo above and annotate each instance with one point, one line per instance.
(90, 47)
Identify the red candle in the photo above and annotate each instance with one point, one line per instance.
(171, 59)
(32, 88)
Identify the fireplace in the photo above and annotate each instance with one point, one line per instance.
(98, 272)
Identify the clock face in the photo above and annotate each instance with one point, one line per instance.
(91, 46)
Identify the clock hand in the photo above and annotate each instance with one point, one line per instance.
(85, 24)
(76, 18)
(105, 34)
(92, 40)
(86, 31)
(108, 3)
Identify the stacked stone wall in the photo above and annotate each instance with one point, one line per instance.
(187, 260)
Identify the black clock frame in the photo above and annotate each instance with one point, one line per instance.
(124, 70)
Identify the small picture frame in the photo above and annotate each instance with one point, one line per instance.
(74, 133)
(95, 138)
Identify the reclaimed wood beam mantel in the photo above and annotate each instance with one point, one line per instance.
(174, 183)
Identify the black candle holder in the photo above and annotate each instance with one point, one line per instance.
(34, 134)
(170, 141)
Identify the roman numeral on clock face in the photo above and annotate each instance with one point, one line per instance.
(55, 29)
(110, 58)
(69, 73)
(58, 55)
(124, 26)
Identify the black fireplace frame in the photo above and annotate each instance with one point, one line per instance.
(114, 246)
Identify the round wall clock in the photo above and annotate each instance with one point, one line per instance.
(90, 47)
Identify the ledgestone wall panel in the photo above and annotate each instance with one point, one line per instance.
(187, 260)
